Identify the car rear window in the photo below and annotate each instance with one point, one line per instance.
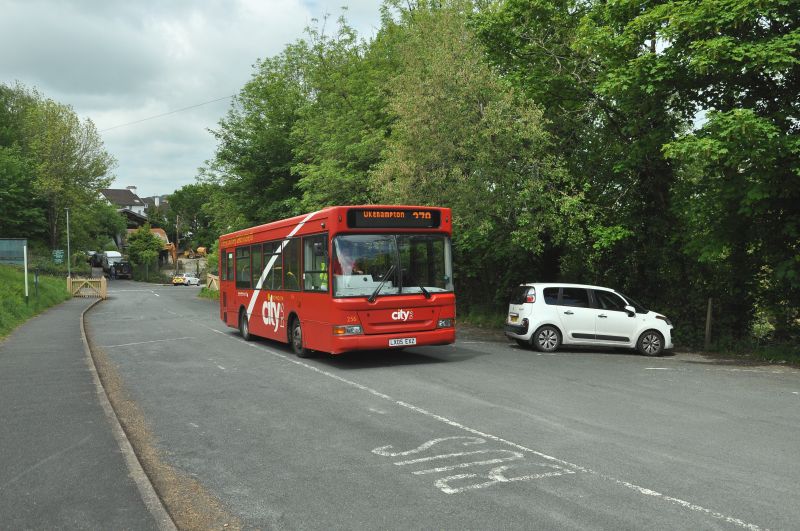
(519, 294)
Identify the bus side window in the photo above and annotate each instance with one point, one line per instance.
(291, 265)
(255, 257)
(243, 267)
(221, 264)
(274, 277)
(315, 263)
(229, 266)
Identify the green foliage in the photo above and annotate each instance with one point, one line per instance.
(464, 138)
(144, 248)
(625, 84)
(340, 133)
(205, 293)
(14, 310)
(187, 206)
(254, 154)
(648, 146)
(50, 161)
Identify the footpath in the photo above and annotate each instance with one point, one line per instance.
(61, 466)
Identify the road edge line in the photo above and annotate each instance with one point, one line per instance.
(148, 493)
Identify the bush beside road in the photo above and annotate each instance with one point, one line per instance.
(14, 311)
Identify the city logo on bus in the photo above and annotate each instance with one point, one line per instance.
(402, 315)
(272, 313)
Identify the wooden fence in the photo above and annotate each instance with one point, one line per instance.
(212, 282)
(88, 287)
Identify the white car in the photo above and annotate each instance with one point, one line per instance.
(185, 279)
(548, 315)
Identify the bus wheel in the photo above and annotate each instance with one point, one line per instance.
(244, 326)
(297, 340)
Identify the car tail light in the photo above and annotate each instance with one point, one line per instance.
(531, 296)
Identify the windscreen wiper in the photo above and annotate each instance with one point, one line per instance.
(380, 286)
(420, 286)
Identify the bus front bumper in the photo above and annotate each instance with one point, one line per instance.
(440, 336)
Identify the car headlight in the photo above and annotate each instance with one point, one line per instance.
(663, 318)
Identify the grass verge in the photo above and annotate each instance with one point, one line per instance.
(206, 293)
(14, 310)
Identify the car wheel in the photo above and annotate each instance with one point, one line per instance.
(547, 339)
(297, 340)
(244, 326)
(651, 343)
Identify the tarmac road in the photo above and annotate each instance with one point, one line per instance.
(478, 435)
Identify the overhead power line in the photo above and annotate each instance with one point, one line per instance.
(167, 113)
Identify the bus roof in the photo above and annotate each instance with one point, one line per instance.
(327, 212)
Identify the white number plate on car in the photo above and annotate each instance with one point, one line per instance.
(513, 317)
(403, 342)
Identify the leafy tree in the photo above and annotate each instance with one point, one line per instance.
(94, 224)
(71, 166)
(21, 212)
(340, 133)
(464, 138)
(254, 154)
(623, 83)
(186, 205)
(739, 63)
(144, 247)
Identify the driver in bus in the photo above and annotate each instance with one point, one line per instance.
(345, 264)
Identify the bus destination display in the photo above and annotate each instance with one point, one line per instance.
(372, 218)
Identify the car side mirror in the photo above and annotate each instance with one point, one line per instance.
(630, 310)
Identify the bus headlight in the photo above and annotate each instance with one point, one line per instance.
(347, 330)
(445, 323)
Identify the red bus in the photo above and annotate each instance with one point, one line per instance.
(342, 278)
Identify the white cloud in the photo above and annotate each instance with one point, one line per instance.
(117, 62)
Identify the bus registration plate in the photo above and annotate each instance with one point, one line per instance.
(403, 342)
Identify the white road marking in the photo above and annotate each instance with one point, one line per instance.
(145, 342)
(221, 367)
(659, 369)
(632, 486)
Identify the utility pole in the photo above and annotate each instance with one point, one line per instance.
(69, 256)
(177, 240)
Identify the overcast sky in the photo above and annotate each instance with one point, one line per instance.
(119, 61)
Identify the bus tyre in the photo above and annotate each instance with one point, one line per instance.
(244, 326)
(297, 340)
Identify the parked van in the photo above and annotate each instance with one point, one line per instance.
(110, 258)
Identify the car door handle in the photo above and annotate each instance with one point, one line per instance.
(602, 315)
(569, 312)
